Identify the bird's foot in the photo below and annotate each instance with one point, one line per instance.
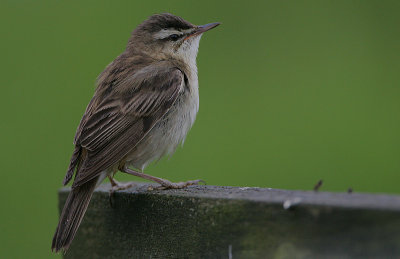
(117, 186)
(165, 184)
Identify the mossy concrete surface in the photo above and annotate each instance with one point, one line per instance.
(233, 222)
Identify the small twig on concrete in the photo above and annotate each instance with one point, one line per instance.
(318, 185)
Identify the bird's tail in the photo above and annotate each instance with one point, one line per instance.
(72, 215)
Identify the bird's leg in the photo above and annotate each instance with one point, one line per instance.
(165, 184)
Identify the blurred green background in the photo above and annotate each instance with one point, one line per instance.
(290, 92)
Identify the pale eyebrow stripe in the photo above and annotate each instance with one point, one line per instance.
(164, 33)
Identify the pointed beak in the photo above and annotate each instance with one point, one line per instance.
(206, 27)
(202, 28)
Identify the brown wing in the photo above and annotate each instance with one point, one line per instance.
(109, 130)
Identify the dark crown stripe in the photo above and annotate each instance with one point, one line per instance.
(165, 21)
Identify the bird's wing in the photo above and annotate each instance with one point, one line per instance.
(109, 130)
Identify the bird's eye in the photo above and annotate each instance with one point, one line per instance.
(174, 37)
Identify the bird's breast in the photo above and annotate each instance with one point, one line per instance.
(180, 118)
(171, 130)
(182, 115)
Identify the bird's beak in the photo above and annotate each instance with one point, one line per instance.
(202, 28)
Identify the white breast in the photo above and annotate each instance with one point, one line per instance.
(168, 133)
(184, 113)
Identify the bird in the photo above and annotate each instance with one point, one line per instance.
(145, 102)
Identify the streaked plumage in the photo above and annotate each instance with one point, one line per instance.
(144, 105)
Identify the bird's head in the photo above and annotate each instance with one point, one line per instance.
(165, 36)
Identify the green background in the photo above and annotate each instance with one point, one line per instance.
(290, 92)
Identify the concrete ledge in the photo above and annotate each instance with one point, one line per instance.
(234, 222)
